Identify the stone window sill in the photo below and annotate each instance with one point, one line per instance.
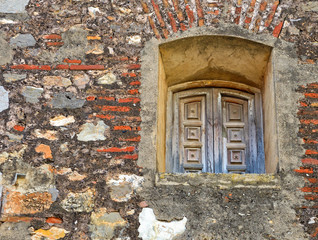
(221, 181)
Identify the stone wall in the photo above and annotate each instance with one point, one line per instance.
(70, 124)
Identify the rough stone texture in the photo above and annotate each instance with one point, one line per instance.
(6, 52)
(121, 189)
(150, 228)
(22, 41)
(79, 202)
(32, 94)
(66, 100)
(104, 224)
(82, 41)
(15, 231)
(4, 99)
(13, 77)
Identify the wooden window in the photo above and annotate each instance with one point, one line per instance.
(216, 130)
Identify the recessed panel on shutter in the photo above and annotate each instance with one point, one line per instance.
(192, 132)
(235, 133)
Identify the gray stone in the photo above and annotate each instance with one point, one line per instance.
(32, 94)
(13, 6)
(66, 100)
(12, 77)
(22, 41)
(4, 99)
(91, 132)
(6, 53)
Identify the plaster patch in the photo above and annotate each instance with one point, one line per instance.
(123, 187)
(4, 99)
(91, 132)
(150, 228)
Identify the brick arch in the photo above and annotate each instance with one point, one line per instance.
(158, 74)
(168, 17)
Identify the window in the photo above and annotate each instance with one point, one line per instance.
(216, 130)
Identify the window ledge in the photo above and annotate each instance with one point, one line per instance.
(221, 181)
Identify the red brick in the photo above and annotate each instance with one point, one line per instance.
(52, 36)
(32, 67)
(311, 197)
(312, 180)
(128, 156)
(122, 128)
(309, 152)
(62, 67)
(144, 6)
(177, 10)
(133, 91)
(248, 20)
(66, 60)
(54, 220)
(311, 95)
(310, 141)
(133, 66)
(90, 98)
(55, 43)
(129, 74)
(303, 104)
(309, 189)
(310, 161)
(108, 117)
(124, 59)
(157, 12)
(126, 100)
(115, 108)
(18, 128)
(190, 15)
(16, 219)
(304, 170)
(278, 29)
(183, 27)
(263, 5)
(135, 83)
(87, 67)
(199, 12)
(134, 139)
(154, 29)
(106, 98)
(115, 149)
(172, 22)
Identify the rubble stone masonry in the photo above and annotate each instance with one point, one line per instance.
(70, 123)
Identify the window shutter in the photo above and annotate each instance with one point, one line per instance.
(192, 128)
(235, 134)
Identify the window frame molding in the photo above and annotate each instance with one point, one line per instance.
(217, 88)
(154, 97)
